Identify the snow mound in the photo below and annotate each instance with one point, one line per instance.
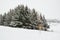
(8, 33)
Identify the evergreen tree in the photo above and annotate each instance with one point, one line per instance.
(45, 23)
(4, 17)
(23, 17)
(1, 19)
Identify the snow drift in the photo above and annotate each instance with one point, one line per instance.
(8, 33)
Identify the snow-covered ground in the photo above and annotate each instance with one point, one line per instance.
(55, 27)
(8, 33)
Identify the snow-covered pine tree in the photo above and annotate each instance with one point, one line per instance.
(1, 19)
(24, 17)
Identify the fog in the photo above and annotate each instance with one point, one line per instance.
(49, 8)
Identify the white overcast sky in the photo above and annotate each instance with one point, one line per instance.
(50, 8)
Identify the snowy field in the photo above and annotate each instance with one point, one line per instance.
(8, 33)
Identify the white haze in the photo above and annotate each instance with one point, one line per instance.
(50, 8)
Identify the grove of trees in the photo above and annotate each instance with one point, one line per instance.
(23, 17)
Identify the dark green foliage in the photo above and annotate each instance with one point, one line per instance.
(22, 17)
(1, 19)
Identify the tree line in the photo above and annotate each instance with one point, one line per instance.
(23, 17)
